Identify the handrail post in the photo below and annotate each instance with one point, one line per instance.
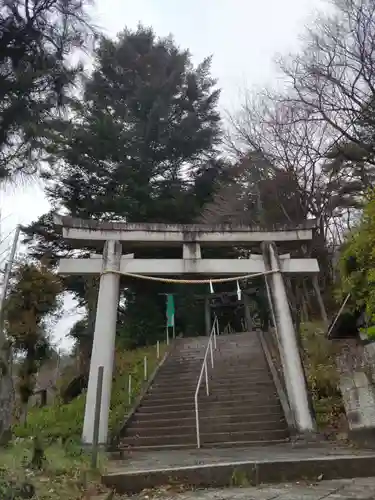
(212, 355)
(130, 388)
(167, 332)
(158, 349)
(145, 374)
(197, 421)
(206, 375)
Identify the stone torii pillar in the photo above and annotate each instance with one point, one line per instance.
(290, 355)
(104, 343)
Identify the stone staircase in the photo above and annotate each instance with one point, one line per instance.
(242, 409)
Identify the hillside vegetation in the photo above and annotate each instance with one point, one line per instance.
(319, 355)
(64, 421)
(66, 470)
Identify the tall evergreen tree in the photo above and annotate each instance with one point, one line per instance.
(145, 131)
(36, 39)
(141, 146)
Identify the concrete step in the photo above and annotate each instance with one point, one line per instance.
(180, 372)
(190, 351)
(215, 392)
(224, 372)
(240, 352)
(181, 365)
(215, 374)
(211, 425)
(216, 469)
(190, 357)
(206, 438)
(241, 388)
(214, 384)
(226, 352)
(214, 397)
(250, 362)
(238, 368)
(158, 412)
(124, 449)
(184, 369)
(187, 417)
(227, 358)
(184, 363)
(252, 348)
(214, 406)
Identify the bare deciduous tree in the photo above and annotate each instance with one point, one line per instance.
(334, 79)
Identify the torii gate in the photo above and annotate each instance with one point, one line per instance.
(112, 237)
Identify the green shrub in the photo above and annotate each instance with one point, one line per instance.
(55, 421)
(66, 471)
(322, 375)
(369, 332)
(357, 261)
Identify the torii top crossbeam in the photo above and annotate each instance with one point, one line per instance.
(189, 237)
(97, 232)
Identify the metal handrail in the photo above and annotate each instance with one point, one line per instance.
(338, 315)
(204, 371)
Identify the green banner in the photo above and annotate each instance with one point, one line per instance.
(170, 310)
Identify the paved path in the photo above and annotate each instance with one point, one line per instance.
(345, 489)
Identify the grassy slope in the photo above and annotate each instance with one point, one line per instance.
(66, 473)
(65, 420)
(323, 377)
(66, 470)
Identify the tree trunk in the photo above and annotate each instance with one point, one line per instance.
(6, 396)
(304, 302)
(38, 457)
(297, 294)
(319, 298)
(307, 297)
(6, 408)
(24, 410)
(292, 299)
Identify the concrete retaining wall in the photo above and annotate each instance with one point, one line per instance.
(356, 364)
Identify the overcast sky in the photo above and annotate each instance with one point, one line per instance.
(243, 36)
